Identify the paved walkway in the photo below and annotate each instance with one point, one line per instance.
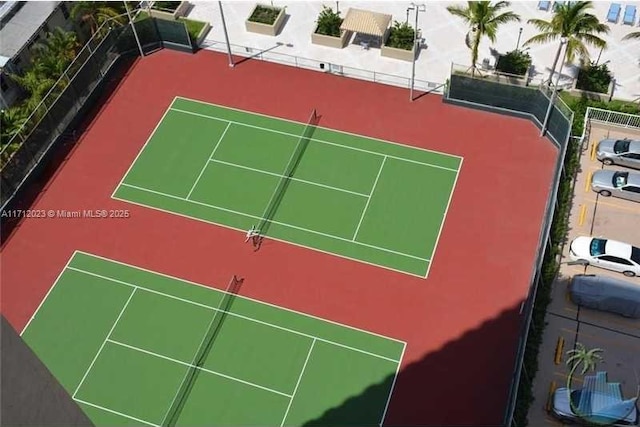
(442, 32)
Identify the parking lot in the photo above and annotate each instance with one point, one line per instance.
(568, 324)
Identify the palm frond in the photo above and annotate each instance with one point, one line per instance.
(632, 36)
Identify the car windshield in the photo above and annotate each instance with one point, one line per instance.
(597, 247)
(621, 146)
(575, 398)
(620, 179)
(635, 254)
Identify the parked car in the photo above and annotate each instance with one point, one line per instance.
(604, 253)
(606, 294)
(598, 403)
(625, 185)
(623, 152)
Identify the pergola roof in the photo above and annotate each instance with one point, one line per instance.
(366, 22)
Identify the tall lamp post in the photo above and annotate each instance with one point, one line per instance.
(133, 27)
(418, 8)
(563, 42)
(519, 35)
(226, 35)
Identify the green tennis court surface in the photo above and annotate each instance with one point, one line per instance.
(351, 196)
(121, 340)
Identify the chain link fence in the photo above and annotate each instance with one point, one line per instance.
(54, 120)
(473, 89)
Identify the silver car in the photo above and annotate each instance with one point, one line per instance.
(625, 185)
(623, 152)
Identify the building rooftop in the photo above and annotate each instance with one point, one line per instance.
(20, 20)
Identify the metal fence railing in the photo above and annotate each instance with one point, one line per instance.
(75, 91)
(476, 90)
(271, 55)
(613, 118)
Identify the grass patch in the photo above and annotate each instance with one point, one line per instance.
(265, 15)
(193, 27)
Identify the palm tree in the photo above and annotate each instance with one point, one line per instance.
(484, 18)
(581, 356)
(95, 13)
(573, 23)
(632, 36)
(54, 55)
(11, 120)
(35, 84)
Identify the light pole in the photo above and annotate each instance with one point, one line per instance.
(518, 42)
(133, 27)
(563, 41)
(418, 8)
(226, 35)
(599, 54)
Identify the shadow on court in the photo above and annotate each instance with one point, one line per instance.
(466, 383)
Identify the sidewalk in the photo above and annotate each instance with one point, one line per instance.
(443, 36)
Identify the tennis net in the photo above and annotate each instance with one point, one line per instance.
(172, 415)
(292, 164)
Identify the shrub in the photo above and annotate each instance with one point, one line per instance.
(594, 78)
(515, 62)
(264, 15)
(401, 36)
(329, 22)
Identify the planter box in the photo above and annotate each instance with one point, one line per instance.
(331, 41)
(512, 79)
(266, 29)
(606, 97)
(395, 53)
(203, 33)
(181, 10)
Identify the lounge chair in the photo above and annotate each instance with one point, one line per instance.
(629, 15)
(544, 5)
(614, 12)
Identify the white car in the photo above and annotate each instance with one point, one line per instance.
(604, 253)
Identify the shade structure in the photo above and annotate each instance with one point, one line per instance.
(366, 22)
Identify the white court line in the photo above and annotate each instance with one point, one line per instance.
(103, 343)
(393, 384)
(295, 390)
(209, 288)
(195, 101)
(115, 412)
(431, 165)
(230, 313)
(153, 132)
(444, 218)
(243, 231)
(275, 222)
(290, 178)
(151, 353)
(364, 211)
(207, 162)
(46, 295)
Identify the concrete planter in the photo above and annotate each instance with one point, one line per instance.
(266, 29)
(203, 33)
(395, 53)
(181, 10)
(331, 41)
(606, 97)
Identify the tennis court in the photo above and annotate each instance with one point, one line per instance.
(125, 342)
(360, 198)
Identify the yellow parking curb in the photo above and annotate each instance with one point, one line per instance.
(559, 348)
(552, 389)
(583, 212)
(588, 183)
(593, 151)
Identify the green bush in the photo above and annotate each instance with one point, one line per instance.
(329, 22)
(401, 36)
(265, 15)
(515, 62)
(594, 78)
